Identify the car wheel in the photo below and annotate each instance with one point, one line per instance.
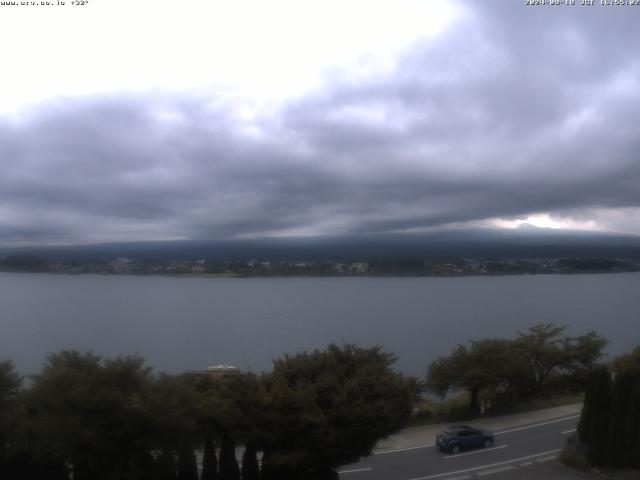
(455, 449)
(488, 442)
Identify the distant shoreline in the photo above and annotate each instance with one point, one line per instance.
(311, 275)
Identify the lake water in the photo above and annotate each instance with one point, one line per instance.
(188, 323)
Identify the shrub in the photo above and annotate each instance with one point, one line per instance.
(574, 455)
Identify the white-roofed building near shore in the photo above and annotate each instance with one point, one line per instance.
(218, 371)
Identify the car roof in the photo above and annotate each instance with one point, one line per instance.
(458, 428)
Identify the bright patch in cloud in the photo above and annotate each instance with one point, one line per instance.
(544, 220)
(247, 49)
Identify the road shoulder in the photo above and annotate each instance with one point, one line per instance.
(419, 436)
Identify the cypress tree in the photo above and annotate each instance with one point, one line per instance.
(267, 471)
(209, 459)
(166, 466)
(48, 468)
(187, 465)
(81, 470)
(250, 469)
(598, 431)
(617, 447)
(586, 416)
(18, 466)
(229, 469)
(633, 429)
(145, 466)
(610, 420)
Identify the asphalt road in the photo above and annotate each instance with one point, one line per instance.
(515, 448)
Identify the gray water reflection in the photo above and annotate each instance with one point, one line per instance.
(186, 323)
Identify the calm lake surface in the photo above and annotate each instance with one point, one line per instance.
(188, 323)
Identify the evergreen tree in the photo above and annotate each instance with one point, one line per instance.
(587, 413)
(598, 428)
(627, 394)
(145, 467)
(632, 438)
(166, 466)
(267, 471)
(209, 459)
(324, 409)
(22, 466)
(92, 413)
(250, 469)
(610, 420)
(187, 465)
(81, 470)
(52, 469)
(10, 384)
(229, 469)
(617, 453)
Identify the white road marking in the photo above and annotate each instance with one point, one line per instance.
(487, 466)
(526, 464)
(428, 445)
(569, 431)
(475, 451)
(404, 449)
(538, 424)
(496, 470)
(546, 459)
(355, 470)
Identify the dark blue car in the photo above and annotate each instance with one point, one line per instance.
(462, 437)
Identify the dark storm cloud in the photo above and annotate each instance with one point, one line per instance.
(118, 168)
(512, 111)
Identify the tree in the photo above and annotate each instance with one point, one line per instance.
(490, 366)
(64, 411)
(610, 420)
(544, 349)
(232, 404)
(250, 469)
(616, 453)
(586, 416)
(232, 407)
(209, 460)
(10, 383)
(229, 469)
(145, 467)
(267, 470)
(628, 364)
(25, 263)
(175, 408)
(328, 408)
(626, 369)
(550, 354)
(166, 466)
(91, 413)
(632, 433)
(595, 430)
(13, 460)
(599, 430)
(503, 370)
(187, 465)
(584, 352)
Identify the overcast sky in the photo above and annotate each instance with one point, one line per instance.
(150, 120)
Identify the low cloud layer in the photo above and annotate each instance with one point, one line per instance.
(513, 111)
